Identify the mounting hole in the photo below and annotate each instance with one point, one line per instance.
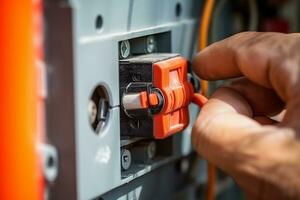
(99, 22)
(178, 9)
(50, 162)
(98, 109)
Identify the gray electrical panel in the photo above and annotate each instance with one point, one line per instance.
(94, 50)
(84, 42)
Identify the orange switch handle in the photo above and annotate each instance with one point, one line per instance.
(153, 99)
(170, 76)
(144, 100)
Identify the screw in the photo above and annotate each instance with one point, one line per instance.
(124, 49)
(151, 44)
(125, 159)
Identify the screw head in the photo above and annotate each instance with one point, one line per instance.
(125, 159)
(151, 44)
(124, 49)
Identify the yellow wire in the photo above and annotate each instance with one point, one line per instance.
(203, 42)
(203, 35)
(205, 23)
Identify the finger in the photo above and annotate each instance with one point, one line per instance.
(263, 101)
(226, 136)
(220, 60)
(222, 126)
(268, 59)
(222, 122)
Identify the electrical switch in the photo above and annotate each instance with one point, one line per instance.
(155, 93)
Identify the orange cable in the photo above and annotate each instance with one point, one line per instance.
(205, 23)
(203, 35)
(199, 99)
(203, 42)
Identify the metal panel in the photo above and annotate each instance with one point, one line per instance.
(92, 59)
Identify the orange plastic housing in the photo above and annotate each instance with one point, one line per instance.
(171, 77)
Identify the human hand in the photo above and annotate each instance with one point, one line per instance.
(234, 129)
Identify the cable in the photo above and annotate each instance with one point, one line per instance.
(203, 35)
(199, 100)
(202, 43)
(205, 23)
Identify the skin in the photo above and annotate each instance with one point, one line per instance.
(234, 130)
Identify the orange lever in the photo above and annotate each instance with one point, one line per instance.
(163, 102)
(153, 99)
(170, 76)
(148, 100)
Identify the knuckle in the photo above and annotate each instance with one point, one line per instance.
(241, 39)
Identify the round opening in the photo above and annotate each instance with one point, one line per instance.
(99, 22)
(98, 109)
(178, 10)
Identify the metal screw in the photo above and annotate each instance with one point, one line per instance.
(124, 49)
(151, 44)
(125, 159)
